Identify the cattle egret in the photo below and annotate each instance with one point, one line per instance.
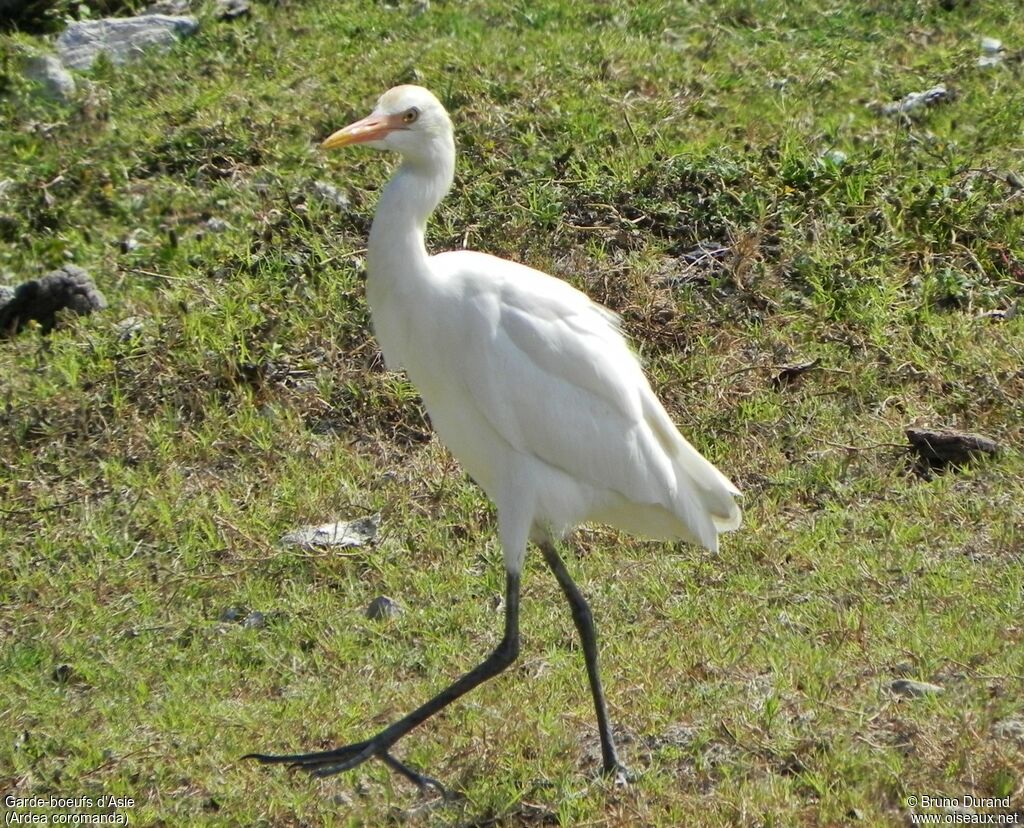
(533, 388)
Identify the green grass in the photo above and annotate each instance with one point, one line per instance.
(146, 479)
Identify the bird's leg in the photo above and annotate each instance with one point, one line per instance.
(584, 620)
(328, 762)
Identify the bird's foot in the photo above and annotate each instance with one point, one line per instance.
(619, 775)
(421, 780)
(329, 762)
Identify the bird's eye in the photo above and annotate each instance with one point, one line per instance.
(410, 115)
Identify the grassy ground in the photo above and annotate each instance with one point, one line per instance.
(146, 477)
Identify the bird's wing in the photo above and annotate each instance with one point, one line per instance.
(552, 373)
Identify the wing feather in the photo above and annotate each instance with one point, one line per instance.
(551, 372)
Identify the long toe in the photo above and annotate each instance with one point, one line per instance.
(331, 762)
(321, 763)
(420, 779)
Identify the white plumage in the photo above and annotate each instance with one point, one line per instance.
(531, 385)
(528, 382)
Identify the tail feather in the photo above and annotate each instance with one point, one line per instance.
(705, 498)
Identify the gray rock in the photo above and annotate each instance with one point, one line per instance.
(131, 241)
(53, 80)
(40, 299)
(255, 620)
(168, 7)
(908, 688)
(232, 9)
(834, 156)
(326, 191)
(122, 39)
(217, 225)
(915, 101)
(129, 328)
(1009, 729)
(383, 607)
(351, 533)
(232, 615)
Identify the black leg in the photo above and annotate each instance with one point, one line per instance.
(328, 762)
(588, 635)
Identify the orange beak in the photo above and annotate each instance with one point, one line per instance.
(370, 128)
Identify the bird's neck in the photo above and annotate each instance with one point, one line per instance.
(396, 247)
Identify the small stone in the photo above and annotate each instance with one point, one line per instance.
(351, 533)
(383, 607)
(834, 156)
(908, 688)
(217, 225)
(130, 242)
(1010, 729)
(915, 101)
(255, 620)
(233, 614)
(326, 191)
(129, 328)
(991, 45)
(232, 9)
(49, 74)
(121, 39)
(169, 7)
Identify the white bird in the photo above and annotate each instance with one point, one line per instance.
(532, 387)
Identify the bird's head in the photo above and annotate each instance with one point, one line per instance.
(408, 120)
